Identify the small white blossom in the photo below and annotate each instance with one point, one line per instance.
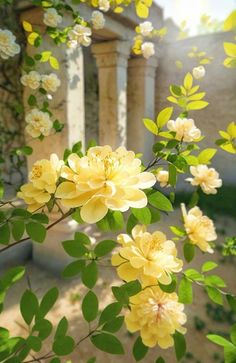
(104, 5)
(31, 80)
(147, 49)
(199, 72)
(50, 82)
(79, 35)
(38, 123)
(185, 129)
(207, 178)
(146, 28)
(162, 177)
(52, 18)
(97, 19)
(8, 46)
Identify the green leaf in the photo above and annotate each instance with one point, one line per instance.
(37, 232)
(90, 306)
(175, 90)
(110, 312)
(230, 49)
(131, 223)
(180, 345)
(188, 81)
(169, 288)
(164, 116)
(197, 105)
(90, 274)
(28, 306)
(160, 201)
(113, 221)
(43, 327)
(47, 302)
(82, 238)
(208, 266)
(215, 281)
(139, 349)
(189, 251)
(104, 247)
(233, 334)
(215, 295)
(172, 175)
(230, 354)
(177, 231)
(5, 234)
(18, 228)
(194, 275)
(217, 339)
(74, 268)
(150, 126)
(34, 343)
(143, 215)
(132, 287)
(113, 325)
(185, 291)
(160, 360)
(64, 345)
(32, 101)
(53, 62)
(74, 248)
(62, 328)
(40, 217)
(107, 343)
(231, 301)
(206, 155)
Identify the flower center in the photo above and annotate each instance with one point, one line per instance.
(36, 172)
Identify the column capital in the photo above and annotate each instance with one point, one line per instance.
(111, 54)
(146, 66)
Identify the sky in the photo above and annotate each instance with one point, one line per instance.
(191, 10)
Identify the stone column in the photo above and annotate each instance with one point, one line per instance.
(112, 60)
(67, 106)
(141, 103)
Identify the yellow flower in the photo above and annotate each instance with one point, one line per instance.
(207, 178)
(43, 178)
(52, 18)
(50, 82)
(157, 315)
(31, 79)
(148, 49)
(102, 180)
(149, 257)
(38, 123)
(8, 46)
(185, 129)
(79, 35)
(162, 177)
(199, 228)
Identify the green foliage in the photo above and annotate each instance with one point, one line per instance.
(185, 292)
(139, 349)
(160, 201)
(90, 306)
(180, 345)
(107, 343)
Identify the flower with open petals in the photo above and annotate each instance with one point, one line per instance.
(31, 80)
(42, 183)
(8, 46)
(199, 72)
(79, 35)
(199, 228)
(38, 123)
(157, 315)
(207, 178)
(162, 177)
(146, 28)
(148, 49)
(102, 180)
(97, 19)
(149, 257)
(50, 82)
(185, 129)
(52, 18)
(104, 5)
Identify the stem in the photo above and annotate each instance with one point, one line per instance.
(49, 227)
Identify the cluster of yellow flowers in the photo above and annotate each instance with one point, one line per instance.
(101, 180)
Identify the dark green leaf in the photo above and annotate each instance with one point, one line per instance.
(107, 343)
(113, 325)
(104, 247)
(43, 327)
(231, 301)
(90, 275)
(28, 306)
(160, 360)
(18, 228)
(47, 302)
(62, 328)
(189, 251)
(74, 268)
(180, 345)
(139, 349)
(40, 217)
(82, 238)
(90, 306)
(32, 101)
(4, 234)
(36, 231)
(34, 343)
(110, 312)
(74, 248)
(63, 345)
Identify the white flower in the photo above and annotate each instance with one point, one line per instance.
(207, 178)
(52, 18)
(50, 82)
(31, 80)
(39, 123)
(199, 72)
(79, 35)
(97, 19)
(8, 46)
(147, 49)
(146, 28)
(162, 177)
(185, 129)
(199, 228)
(104, 5)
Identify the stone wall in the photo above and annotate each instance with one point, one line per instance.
(219, 84)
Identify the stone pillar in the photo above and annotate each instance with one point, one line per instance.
(67, 106)
(112, 60)
(141, 104)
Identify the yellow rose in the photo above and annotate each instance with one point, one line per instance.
(162, 177)
(207, 178)
(102, 180)
(43, 179)
(149, 257)
(185, 129)
(157, 315)
(199, 228)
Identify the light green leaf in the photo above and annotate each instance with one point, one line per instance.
(180, 345)
(217, 339)
(208, 266)
(151, 126)
(197, 105)
(206, 155)
(188, 81)
(215, 295)
(185, 291)
(160, 201)
(164, 116)
(143, 215)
